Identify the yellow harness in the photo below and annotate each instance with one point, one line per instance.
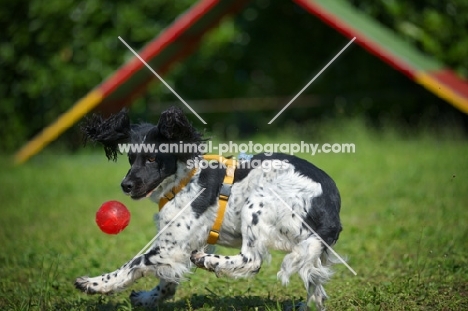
(224, 193)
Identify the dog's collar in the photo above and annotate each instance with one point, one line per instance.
(224, 193)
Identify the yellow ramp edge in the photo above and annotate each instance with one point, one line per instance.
(442, 91)
(64, 121)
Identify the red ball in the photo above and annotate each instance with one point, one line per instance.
(112, 217)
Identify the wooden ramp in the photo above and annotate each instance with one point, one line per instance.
(180, 39)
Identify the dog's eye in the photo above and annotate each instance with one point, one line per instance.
(131, 158)
(151, 159)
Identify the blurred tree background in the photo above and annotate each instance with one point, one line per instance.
(52, 53)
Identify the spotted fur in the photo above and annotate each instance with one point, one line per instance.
(255, 220)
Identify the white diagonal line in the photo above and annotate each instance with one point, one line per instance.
(167, 226)
(313, 79)
(161, 79)
(316, 235)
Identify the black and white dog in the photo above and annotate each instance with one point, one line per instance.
(255, 219)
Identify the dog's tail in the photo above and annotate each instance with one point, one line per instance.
(109, 132)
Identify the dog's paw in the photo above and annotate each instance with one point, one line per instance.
(143, 299)
(94, 285)
(149, 299)
(83, 284)
(198, 259)
(204, 261)
(300, 306)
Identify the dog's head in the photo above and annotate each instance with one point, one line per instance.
(150, 163)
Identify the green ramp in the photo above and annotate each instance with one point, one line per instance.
(392, 49)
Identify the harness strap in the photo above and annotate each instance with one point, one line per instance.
(172, 193)
(224, 193)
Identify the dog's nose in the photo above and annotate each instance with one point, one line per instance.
(127, 186)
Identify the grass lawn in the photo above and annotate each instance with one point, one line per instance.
(404, 213)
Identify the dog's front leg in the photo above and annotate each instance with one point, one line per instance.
(245, 264)
(167, 259)
(155, 262)
(121, 278)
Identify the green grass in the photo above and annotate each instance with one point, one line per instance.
(404, 214)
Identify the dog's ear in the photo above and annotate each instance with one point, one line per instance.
(109, 132)
(173, 125)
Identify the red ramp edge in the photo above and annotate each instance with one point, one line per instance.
(179, 40)
(384, 44)
(117, 91)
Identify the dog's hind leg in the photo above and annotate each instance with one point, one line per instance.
(309, 261)
(163, 291)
